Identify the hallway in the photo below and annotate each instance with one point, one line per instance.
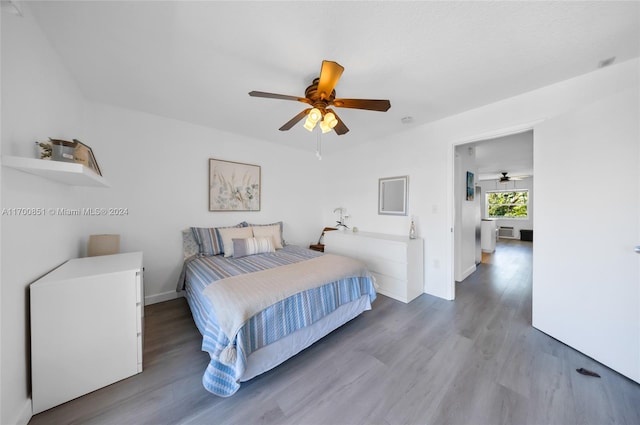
(505, 274)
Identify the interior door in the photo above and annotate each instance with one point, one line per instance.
(586, 273)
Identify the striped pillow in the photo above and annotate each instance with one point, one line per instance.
(251, 246)
(209, 239)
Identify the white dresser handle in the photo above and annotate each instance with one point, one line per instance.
(637, 249)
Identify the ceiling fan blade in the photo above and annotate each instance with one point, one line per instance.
(293, 121)
(329, 75)
(368, 104)
(278, 96)
(340, 128)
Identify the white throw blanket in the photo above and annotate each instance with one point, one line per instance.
(238, 298)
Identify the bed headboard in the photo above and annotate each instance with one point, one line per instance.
(189, 244)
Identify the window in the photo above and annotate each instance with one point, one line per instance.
(507, 204)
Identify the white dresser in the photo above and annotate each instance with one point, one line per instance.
(86, 327)
(396, 262)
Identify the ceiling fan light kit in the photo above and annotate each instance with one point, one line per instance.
(325, 127)
(320, 95)
(314, 115)
(312, 119)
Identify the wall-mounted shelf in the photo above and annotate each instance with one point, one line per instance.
(62, 172)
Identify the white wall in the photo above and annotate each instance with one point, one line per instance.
(158, 170)
(354, 185)
(467, 216)
(425, 153)
(39, 99)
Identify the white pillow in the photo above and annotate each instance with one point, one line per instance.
(266, 231)
(230, 233)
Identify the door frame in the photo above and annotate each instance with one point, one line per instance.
(453, 216)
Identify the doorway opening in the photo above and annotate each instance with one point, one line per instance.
(497, 214)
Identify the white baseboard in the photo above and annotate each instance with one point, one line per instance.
(165, 296)
(466, 273)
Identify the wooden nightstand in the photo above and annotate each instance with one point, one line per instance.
(320, 246)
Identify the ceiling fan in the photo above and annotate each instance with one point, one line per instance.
(320, 95)
(506, 179)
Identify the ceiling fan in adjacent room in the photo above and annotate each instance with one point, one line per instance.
(506, 179)
(320, 95)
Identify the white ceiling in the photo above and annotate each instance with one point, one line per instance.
(512, 154)
(196, 61)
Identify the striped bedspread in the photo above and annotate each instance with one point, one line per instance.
(275, 322)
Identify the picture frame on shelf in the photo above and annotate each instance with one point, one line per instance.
(84, 155)
(74, 151)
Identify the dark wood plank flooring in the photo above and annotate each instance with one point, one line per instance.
(473, 361)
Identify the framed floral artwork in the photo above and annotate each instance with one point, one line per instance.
(233, 186)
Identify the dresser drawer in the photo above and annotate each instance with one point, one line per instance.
(363, 247)
(394, 288)
(395, 269)
(395, 261)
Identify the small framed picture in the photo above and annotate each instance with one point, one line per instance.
(392, 195)
(471, 191)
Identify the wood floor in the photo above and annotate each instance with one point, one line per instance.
(473, 361)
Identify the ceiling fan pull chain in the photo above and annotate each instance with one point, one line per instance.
(319, 145)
